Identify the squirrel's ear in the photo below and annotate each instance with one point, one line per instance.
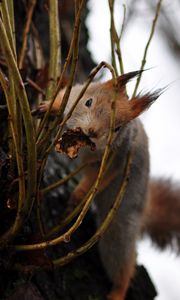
(122, 80)
(140, 103)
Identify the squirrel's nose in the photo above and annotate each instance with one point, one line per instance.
(92, 133)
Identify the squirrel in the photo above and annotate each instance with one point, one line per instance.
(149, 206)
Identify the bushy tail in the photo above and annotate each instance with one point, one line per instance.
(162, 215)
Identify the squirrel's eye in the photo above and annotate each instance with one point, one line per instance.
(88, 103)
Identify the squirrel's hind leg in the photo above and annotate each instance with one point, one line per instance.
(118, 253)
(121, 283)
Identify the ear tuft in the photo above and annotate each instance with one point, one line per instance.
(140, 103)
(123, 79)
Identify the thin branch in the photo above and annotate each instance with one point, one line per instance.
(38, 50)
(113, 35)
(158, 7)
(67, 61)
(25, 207)
(100, 231)
(118, 43)
(15, 148)
(10, 4)
(9, 23)
(19, 160)
(55, 49)
(36, 87)
(4, 81)
(115, 39)
(77, 209)
(107, 221)
(42, 146)
(8, 19)
(17, 115)
(123, 22)
(63, 180)
(25, 33)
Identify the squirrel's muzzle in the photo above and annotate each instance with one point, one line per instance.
(92, 133)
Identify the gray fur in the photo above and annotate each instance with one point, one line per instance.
(118, 244)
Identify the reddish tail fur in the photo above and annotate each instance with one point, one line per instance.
(162, 215)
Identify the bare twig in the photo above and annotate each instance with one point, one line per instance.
(115, 39)
(18, 153)
(77, 209)
(35, 86)
(103, 227)
(73, 45)
(158, 7)
(53, 71)
(54, 36)
(100, 231)
(10, 4)
(62, 181)
(113, 35)
(118, 43)
(24, 207)
(38, 50)
(25, 33)
(8, 19)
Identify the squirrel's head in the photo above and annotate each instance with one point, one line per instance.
(93, 112)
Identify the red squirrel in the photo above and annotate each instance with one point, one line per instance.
(148, 206)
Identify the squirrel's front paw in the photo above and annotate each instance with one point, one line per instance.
(40, 109)
(43, 106)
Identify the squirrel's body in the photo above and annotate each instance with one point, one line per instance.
(120, 255)
(92, 115)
